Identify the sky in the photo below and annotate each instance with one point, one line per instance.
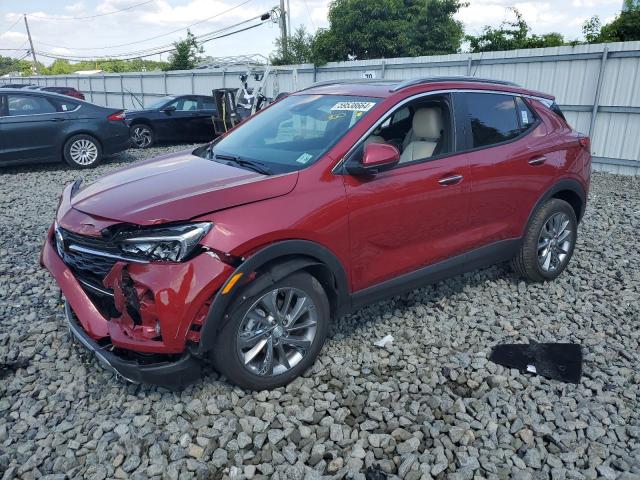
(57, 30)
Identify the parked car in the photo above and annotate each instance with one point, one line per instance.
(184, 118)
(17, 85)
(69, 91)
(244, 250)
(38, 126)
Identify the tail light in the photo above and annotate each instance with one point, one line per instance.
(117, 117)
(585, 143)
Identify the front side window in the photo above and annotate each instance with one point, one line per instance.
(493, 118)
(420, 130)
(28, 105)
(295, 132)
(185, 104)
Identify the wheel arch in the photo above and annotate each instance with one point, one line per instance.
(273, 263)
(567, 189)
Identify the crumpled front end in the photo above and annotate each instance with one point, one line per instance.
(138, 312)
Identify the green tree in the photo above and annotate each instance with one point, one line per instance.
(299, 49)
(186, 54)
(591, 29)
(365, 29)
(625, 27)
(511, 35)
(432, 28)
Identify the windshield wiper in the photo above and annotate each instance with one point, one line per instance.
(255, 166)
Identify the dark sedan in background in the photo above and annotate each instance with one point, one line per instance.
(36, 126)
(184, 118)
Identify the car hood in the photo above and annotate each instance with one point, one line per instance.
(176, 187)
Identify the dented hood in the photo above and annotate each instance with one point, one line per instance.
(176, 187)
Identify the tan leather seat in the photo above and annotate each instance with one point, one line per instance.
(424, 135)
(373, 139)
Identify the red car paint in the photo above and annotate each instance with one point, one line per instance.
(376, 227)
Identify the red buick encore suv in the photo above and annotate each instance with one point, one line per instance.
(242, 251)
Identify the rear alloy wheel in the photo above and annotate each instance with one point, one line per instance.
(548, 243)
(274, 336)
(142, 136)
(82, 151)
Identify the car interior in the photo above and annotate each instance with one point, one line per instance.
(419, 130)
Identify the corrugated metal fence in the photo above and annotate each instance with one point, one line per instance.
(597, 86)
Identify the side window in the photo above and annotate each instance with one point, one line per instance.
(28, 105)
(207, 103)
(493, 118)
(525, 115)
(420, 130)
(64, 105)
(185, 104)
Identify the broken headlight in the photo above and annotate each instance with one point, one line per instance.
(171, 243)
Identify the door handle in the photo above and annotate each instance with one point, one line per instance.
(537, 160)
(450, 180)
(57, 119)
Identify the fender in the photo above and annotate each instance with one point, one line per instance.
(285, 258)
(563, 184)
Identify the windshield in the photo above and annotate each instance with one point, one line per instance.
(296, 131)
(159, 103)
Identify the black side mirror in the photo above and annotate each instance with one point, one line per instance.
(169, 109)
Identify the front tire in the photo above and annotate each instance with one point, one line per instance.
(548, 243)
(142, 135)
(82, 151)
(272, 337)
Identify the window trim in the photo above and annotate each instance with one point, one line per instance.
(467, 123)
(339, 169)
(5, 113)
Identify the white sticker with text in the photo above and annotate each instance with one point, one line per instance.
(304, 158)
(353, 106)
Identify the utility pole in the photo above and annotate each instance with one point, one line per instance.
(33, 52)
(283, 27)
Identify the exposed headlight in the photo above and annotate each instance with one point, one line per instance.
(171, 243)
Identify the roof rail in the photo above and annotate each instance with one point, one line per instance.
(459, 78)
(324, 83)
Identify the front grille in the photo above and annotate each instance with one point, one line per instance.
(88, 264)
(90, 269)
(85, 263)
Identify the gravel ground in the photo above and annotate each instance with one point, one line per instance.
(430, 405)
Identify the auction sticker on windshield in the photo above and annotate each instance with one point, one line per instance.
(353, 106)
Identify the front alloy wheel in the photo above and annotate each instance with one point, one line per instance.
(272, 337)
(277, 331)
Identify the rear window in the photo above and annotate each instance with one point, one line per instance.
(63, 105)
(493, 118)
(555, 108)
(525, 115)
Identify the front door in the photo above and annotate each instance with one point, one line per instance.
(415, 214)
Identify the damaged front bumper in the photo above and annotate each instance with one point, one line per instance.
(173, 296)
(174, 374)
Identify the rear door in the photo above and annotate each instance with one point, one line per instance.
(30, 128)
(206, 110)
(511, 163)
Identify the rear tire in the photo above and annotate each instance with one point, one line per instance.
(548, 242)
(142, 135)
(268, 340)
(82, 151)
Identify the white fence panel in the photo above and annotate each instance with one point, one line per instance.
(604, 75)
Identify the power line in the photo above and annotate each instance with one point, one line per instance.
(155, 36)
(131, 7)
(202, 38)
(136, 57)
(12, 25)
